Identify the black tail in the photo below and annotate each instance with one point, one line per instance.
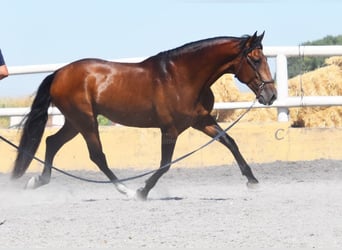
(34, 126)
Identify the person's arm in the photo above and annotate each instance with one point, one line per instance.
(3, 67)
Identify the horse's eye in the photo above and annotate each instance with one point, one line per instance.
(257, 61)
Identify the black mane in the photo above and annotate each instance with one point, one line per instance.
(198, 45)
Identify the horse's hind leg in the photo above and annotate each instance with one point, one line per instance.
(90, 133)
(53, 144)
(210, 127)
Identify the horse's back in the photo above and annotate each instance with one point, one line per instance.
(109, 88)
(95, 76)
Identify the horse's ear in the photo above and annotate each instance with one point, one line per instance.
(261, 36)
(254, 37)
(251, 40)
(258, 40)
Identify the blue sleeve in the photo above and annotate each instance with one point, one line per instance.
(2, 61)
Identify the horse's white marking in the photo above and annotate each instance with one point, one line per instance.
(253, 186)
(126, 191)
(33, 182)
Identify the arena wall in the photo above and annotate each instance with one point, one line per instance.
(140, 148)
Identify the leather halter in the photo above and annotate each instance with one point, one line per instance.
(262, 82)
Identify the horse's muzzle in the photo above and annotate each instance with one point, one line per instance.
(267, 95)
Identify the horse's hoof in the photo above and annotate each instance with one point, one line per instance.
(252, 184)
(130, 193)
(125, 190)
(141, 195)
(33, 183)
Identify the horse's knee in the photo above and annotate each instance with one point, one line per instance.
(229, 142)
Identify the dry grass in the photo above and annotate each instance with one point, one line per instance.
(13, 103)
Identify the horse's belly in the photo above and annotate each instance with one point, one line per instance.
(133, 118)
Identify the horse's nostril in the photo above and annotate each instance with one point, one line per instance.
(273, 98)
(261, 100)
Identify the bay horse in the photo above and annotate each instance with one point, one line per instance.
(170, 91)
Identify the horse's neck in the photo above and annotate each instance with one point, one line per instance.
(205, 66)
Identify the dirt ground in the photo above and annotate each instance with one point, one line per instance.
(297, 204)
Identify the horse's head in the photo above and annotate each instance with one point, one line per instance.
(252, 69)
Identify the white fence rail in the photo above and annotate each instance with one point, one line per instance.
(282, 103)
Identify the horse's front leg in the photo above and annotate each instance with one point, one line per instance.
(210, 127)
(167, 147)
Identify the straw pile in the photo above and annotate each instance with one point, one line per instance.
(323, 81)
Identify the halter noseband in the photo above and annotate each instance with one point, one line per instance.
(262, 83)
